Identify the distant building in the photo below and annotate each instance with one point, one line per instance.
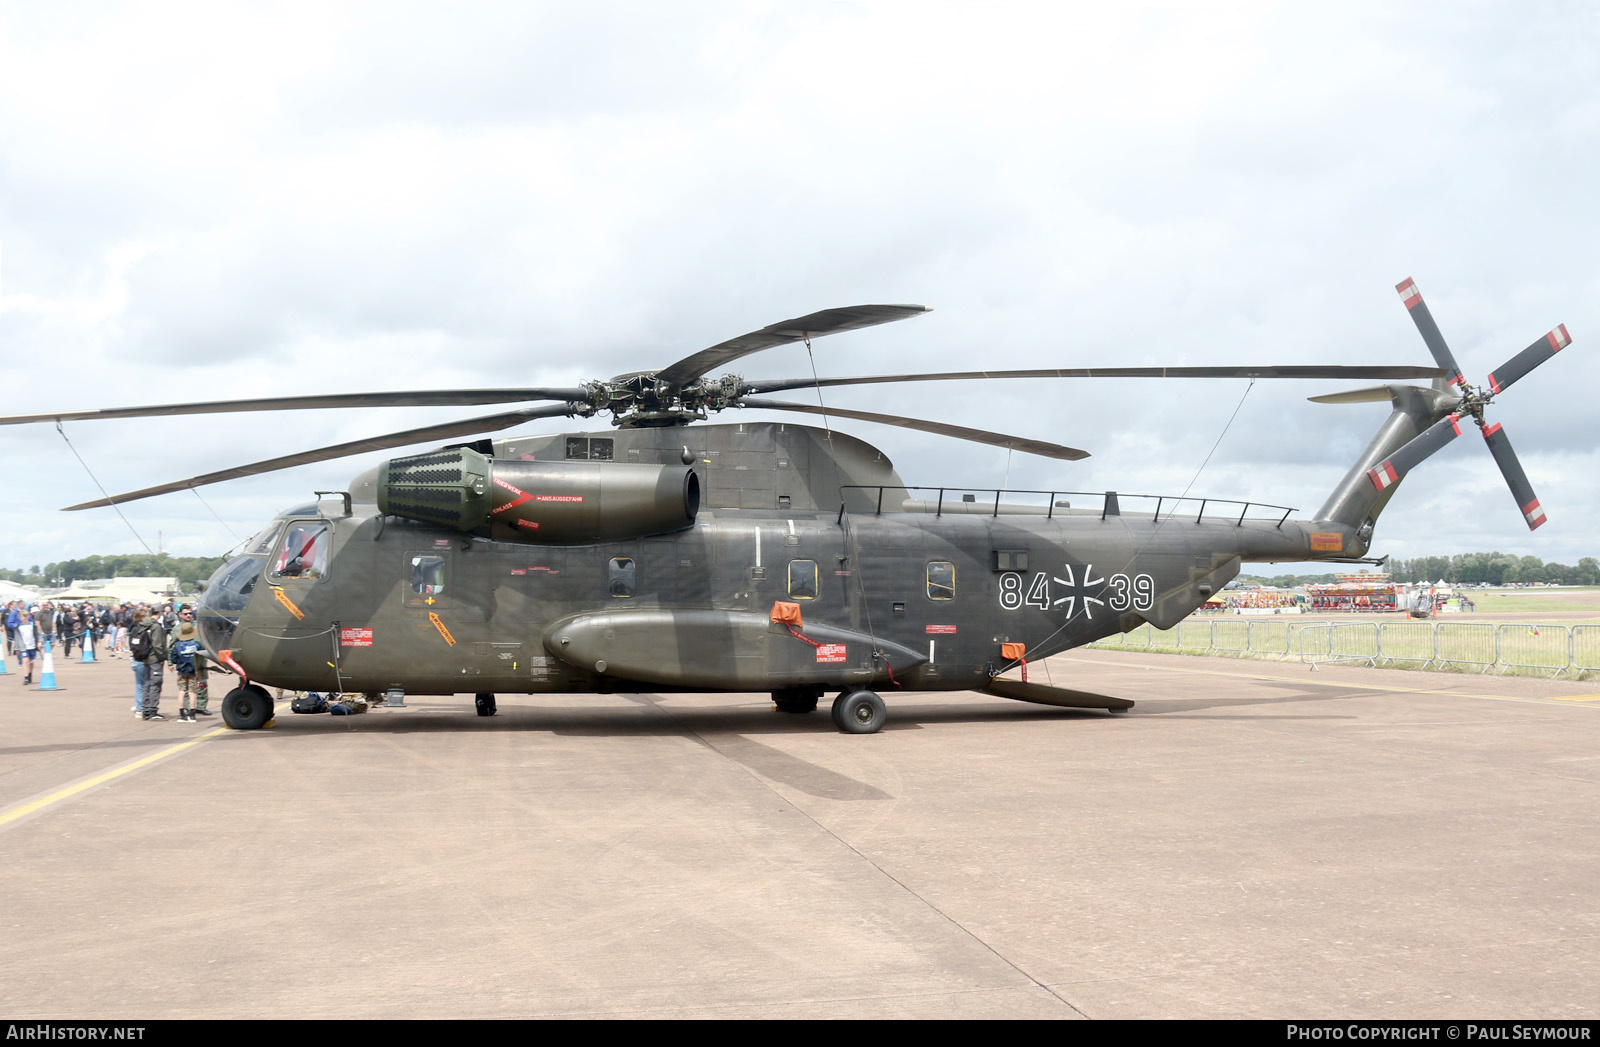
(120, 590)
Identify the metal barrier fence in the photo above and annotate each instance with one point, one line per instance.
(1466, 643)
(1586, 648)
(1553, 649)
(1535, 647)
(1357, 642)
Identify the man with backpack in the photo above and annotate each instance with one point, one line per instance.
(147, 645)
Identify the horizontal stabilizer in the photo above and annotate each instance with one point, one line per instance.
(1371, 395)
(1043, 694)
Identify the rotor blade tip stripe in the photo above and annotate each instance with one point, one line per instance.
(1534, 514)
(1559, 339)
(1382, 476)
(1408, 292)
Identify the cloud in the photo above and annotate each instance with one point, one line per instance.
(201, 203)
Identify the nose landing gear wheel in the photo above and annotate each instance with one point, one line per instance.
(859, 712)
(246, 708)
(486, 704)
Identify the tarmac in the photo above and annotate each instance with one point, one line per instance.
(1252, 840)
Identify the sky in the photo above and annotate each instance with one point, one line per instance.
(211, 201)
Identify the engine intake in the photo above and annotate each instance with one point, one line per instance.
(541, 502)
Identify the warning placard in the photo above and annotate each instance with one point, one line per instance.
(831, 652)
(355, 637)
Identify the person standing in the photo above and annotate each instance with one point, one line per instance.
(67, 629)
(188, 659)
(147, 643)
(28, 641)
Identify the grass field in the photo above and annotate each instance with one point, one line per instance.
(1578, 603)
(1462, 642)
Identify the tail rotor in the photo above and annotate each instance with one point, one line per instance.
(1472, 403)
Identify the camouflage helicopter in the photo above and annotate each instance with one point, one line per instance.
(766, 557)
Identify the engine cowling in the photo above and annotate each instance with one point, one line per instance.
(541, 502)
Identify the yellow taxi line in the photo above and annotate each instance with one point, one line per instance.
(66, 792)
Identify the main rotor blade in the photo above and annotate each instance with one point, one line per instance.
(1351, 371)
(1516, 479)
(468, 427)
(1429, 330)
(815, 325)
(960, 432)
(418, 398)
(1393, 469)
(1501, 378)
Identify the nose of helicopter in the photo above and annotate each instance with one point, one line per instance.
(226, 594)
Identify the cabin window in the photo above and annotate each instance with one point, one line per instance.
(304, 553)
(803, 579)
(599, 449)
(620, 577)
(427, 579)
(941, 580)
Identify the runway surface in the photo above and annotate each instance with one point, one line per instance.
(1253, 840)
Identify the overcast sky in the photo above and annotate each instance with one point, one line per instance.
(208, 201)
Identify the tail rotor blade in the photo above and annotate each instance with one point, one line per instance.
(1531, 357)
(1393, 469)
(1516, 479)
(1429, 330)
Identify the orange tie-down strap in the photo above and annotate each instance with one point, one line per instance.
(788, 616)
(1013, 652)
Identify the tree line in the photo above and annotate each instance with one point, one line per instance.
(189, 570)
(1462, 569)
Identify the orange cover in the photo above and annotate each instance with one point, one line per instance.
(1013, 651)
(786, 613)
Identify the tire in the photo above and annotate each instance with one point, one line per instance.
(486, 704)
(795, 700)
(859, 712)
(246, 708)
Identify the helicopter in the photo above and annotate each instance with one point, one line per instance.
(745, 557)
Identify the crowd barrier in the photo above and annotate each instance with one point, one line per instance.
(1484, 647)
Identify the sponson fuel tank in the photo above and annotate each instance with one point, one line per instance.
(539, 502)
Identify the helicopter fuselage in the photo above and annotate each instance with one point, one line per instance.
(889, 587)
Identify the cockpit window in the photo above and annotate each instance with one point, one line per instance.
(304, 552)
(261, 545)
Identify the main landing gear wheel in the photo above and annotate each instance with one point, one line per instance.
(796, 699)
(486, 705)
(859, 712)
(246, 708)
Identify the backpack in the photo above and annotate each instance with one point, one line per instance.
(311, 703)
(143, 646)
(183, 653)
(139, 642)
